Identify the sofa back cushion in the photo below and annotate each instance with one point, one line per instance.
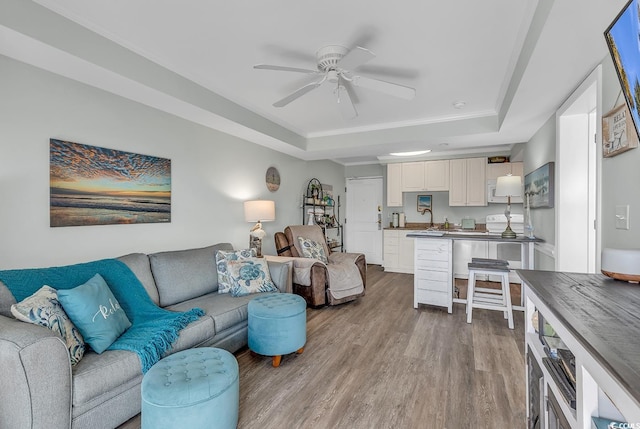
(184, 274)
(6, 301)
(139, 264)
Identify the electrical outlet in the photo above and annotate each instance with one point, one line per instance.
(622, 217)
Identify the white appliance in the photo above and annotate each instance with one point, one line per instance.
(491, 195)
(508, 251)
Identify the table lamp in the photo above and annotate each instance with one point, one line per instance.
(258, 211)
(508, 186)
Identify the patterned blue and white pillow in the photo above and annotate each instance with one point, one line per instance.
(249, 276)
(222, 259)
(43, 308)
(313, 249)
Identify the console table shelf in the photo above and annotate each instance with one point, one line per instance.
(598, 320)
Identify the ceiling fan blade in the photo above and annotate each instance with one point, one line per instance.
(355, 58)
(389, 71)
(284, 68)
(345, 104)
(298, 93)
(388, 88)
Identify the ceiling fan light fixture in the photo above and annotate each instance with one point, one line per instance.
(412, 153)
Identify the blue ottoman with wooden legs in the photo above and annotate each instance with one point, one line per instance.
(195, 388)
(277, 325)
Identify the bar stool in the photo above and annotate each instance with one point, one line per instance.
(489, 299)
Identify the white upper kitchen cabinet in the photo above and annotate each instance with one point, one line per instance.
(502, 169)
(436, 175)
(468, 182)
(394, 185)
(413, 176)
(425, 176)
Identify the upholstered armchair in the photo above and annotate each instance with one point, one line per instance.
(312, 277)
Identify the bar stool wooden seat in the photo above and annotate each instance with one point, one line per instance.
(487, 298)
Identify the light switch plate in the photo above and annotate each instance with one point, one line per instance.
(622, 217)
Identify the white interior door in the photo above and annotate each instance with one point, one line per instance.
(363, 226)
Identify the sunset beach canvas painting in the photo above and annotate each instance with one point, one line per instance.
(91, 185)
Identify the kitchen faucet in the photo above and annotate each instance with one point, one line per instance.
(431, 213)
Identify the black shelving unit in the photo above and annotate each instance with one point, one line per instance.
(326, 214)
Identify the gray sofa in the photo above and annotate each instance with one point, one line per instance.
(40, 389)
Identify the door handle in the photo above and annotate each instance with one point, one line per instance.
(379, 221)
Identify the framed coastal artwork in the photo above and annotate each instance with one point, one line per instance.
(90, 185)
(539, 186)
(618, 132)
(424, 203)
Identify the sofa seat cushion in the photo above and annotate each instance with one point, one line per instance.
(195, 334)
(184, 274)
(99, 374)
(225, 309)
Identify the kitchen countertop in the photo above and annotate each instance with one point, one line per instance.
(480, 227)
(464, 235)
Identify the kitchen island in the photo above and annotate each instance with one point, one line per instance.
(433, 263)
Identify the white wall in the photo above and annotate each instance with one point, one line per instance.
(212, 173)
(538, 151)
(620, 176)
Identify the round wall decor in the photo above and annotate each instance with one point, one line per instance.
(272, 179)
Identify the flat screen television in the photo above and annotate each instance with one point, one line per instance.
(623, 40)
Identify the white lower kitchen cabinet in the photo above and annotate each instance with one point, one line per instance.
(398, 251)
(433, 280)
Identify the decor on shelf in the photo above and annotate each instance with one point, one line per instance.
(528, 224)
(508, 186)
(272, 179)
(92, 185)
(258, 211)
(618, 132)
(539, 186)
(320, 208)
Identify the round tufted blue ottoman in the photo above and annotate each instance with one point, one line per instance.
(195, 388)
(277, 325)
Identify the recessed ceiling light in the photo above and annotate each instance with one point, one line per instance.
(459, 104)
(414, 153)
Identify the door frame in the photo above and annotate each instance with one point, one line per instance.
(583, 109)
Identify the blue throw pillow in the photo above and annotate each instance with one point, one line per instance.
(249, 276)
(95, 312)
(222, 259)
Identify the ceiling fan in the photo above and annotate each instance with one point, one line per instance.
(336, 65)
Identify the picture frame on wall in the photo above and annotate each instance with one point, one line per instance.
(618, 132)
(539, 186)
(423, 203)
(91, 185)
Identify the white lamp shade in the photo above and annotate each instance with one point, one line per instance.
(259, 211)
(509, 186)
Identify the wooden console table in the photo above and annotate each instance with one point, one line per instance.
(598, 319)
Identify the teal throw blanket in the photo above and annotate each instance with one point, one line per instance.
(153, 329)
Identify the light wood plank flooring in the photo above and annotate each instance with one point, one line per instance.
(380, 363)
